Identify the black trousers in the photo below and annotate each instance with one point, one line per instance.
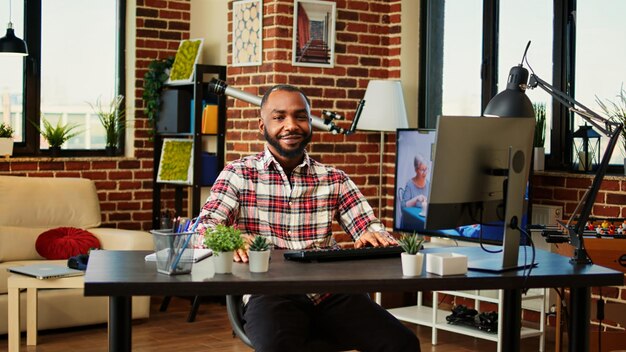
(276, 323)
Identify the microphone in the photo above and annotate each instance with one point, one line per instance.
(220, 87)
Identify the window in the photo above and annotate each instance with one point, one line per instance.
(467, 54)
(74, 61)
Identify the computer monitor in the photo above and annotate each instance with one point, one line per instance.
(413, 175)
(480, 174)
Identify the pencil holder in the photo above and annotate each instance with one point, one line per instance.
(174, 251)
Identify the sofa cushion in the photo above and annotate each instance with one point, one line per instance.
(48, 202)
(18, 243)
(65, 242)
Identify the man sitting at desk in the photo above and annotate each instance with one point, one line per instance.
(291, 199)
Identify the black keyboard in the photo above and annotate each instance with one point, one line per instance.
(331, 254)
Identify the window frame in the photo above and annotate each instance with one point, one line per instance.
(31, 102)
(563, 75)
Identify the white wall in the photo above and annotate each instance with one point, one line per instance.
(209, 20)
(409, 57)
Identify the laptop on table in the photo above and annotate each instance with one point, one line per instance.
(45, 271)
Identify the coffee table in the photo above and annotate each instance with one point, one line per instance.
(15, 283)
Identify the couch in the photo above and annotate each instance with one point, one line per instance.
(30, 206)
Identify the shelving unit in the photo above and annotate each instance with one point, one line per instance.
(200, 92)
(436, 318)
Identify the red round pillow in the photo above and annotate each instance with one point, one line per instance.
(65, 242)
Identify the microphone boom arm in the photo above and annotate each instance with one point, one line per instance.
(220, 87)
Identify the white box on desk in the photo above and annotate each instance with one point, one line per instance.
(446, 263)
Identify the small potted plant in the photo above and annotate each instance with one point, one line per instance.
(112, 119)
(616, 111)
(259, 255)
(412, 259)
(6, 139)
(223, 241)
(540, 137)
(56, 135)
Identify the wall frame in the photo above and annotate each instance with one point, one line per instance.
(314, 33)
(176, 163)
(247, 35)
(184, 66)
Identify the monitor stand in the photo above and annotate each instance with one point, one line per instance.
(492, 263)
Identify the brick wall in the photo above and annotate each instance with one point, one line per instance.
(124, 184)
(367, 47)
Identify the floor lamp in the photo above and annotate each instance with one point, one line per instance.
(383, 111)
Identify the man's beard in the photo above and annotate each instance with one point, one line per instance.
(274, 142)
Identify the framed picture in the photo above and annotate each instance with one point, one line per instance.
(247, 32)
(176, 164)
(314, 33)
(184, 66)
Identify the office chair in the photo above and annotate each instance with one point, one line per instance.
(235, 307)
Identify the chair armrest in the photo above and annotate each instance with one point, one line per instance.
(120, 239)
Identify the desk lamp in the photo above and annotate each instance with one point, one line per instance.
(383, 111)
(514, 103)
(10, 44)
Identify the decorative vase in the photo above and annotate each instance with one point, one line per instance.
(55, 151)
(223, 262)
(6, 147)
(412, 264)
(259, 261)
(539, 158)
(110, 151)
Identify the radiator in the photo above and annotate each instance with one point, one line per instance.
(546, 214)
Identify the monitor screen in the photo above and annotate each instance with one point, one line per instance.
(415, 153)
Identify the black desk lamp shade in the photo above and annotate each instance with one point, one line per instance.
(513, 101)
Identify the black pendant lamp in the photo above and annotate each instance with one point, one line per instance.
(10, 44)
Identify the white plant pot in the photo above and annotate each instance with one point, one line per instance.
(6, 146)
(259, 261)
(223, 262)
(539, 158)
(412, 264)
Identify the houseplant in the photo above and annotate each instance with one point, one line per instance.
(540, 137)
(616, 111)
(412, 259)
(153, 81)
(56, 135)
(223, 241)
(6, 139)
(259, 255)
(112, 119)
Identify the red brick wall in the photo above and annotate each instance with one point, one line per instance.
(367, 47)
(124, 184)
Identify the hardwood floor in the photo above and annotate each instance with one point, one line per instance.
(169, 331)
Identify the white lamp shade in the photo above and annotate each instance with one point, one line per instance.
(384, 108)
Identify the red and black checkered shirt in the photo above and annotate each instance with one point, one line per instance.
(292, 212)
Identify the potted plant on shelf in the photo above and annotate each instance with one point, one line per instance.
(6, 139)
(153, 82)
(412, 259)
(112, 119)
(56, 135)
(616, 111)
(223, 241)
(259, 255)
(539, 150)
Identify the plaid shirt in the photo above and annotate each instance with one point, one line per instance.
(292, 212)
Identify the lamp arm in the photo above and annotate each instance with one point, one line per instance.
(611, 129)
(606, 126)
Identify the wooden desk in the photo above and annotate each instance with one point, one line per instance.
(122, 274)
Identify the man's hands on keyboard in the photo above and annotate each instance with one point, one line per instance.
(375, 239)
